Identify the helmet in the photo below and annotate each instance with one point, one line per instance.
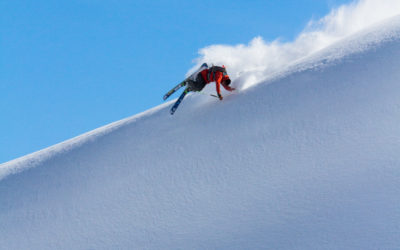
(226, 79)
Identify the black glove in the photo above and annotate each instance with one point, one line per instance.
(220, 97)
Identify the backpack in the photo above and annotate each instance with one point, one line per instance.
(213, 69)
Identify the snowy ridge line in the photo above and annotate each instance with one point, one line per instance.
(32, 160)
(390, 31)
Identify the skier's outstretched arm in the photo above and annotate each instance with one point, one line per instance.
(218, 79)
(227, 87)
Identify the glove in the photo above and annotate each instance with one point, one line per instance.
(220, 97)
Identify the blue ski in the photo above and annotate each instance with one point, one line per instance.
(173, 109)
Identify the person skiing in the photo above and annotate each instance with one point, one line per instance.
(198, 80)
(207, 75)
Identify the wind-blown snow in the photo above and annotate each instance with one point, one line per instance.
(307, 159)
(253, 63)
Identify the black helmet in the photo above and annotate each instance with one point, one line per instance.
(226, 79)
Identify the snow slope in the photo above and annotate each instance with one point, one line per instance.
(309, 159)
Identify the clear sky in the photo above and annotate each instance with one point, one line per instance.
(67, 67)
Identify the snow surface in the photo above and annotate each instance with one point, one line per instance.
(308, 159)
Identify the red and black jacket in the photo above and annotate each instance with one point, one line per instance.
(216, 74)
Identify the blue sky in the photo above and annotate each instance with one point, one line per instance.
(68, 67)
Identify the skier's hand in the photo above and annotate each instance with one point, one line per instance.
(220, 97)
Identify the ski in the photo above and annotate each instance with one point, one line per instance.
(173, 109)
(180, 85)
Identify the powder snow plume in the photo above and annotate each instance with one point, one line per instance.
(253, 63)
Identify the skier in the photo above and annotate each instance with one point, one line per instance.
(198, 80)
(207, 75)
